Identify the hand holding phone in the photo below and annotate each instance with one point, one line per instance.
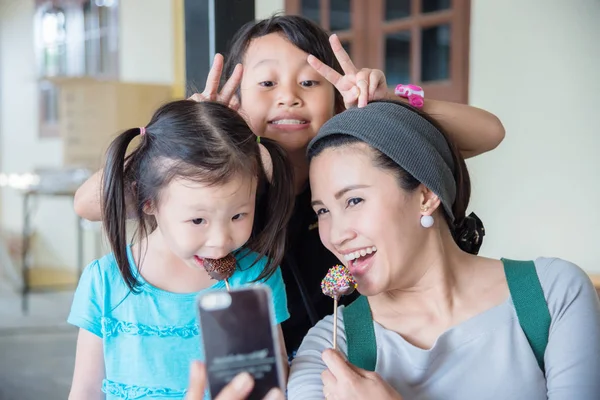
(239, 335)
(237, 389)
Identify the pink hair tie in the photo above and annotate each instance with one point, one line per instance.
(142, 130)
(413, 93)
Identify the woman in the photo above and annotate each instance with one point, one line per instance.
(433, 321)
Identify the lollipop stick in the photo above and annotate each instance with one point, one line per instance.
(335, 307)
(227, 285)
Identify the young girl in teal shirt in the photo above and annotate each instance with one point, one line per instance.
(199, 190)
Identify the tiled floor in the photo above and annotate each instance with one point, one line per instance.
(37, 365)
(37, 350)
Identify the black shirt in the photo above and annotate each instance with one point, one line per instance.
(305, 264)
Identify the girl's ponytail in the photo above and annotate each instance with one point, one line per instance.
(116, 188)
(274, 207)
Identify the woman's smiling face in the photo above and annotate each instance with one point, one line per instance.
(365, 218)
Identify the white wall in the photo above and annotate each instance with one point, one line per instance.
(20, 148)
(146, 41)
(535, 64)
(266, 8)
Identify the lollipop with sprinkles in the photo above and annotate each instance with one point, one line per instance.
(337, 283)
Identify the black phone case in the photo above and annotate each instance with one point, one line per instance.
(241, 337)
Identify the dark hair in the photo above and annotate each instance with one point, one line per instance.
(206, 142)
(409, 183)
(300, 31)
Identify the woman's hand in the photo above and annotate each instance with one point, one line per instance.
(344, 381)
(238, 389)
(356, 86)
(211, 90)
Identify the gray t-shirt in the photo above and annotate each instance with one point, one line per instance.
(485, 357)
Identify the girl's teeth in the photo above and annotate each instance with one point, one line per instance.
(289, 122)
(363, 253)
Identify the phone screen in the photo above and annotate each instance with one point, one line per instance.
(238, 334)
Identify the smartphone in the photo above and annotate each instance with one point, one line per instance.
(239, 334)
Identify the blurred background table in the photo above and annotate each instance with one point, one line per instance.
(48, 183)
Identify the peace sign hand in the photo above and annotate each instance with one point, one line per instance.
(227, 95)
(356, 86)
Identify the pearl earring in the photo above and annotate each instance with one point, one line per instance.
(426, 220)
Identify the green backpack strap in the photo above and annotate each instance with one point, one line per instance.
(360, 334)
(530, 304)
(527, 296)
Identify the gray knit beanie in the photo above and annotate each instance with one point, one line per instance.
(405, 137)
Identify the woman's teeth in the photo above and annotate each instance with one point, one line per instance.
(360, 253)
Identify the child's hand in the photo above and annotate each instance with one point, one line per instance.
(357, 86)
(227, 95)
(238, 389)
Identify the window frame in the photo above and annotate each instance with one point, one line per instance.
(367, 38)
(83, 55)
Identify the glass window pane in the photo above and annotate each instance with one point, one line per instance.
(54, 42)
(91, 44)
(108, 43)
(49, 101)
(348, 47)
(311, 9)
(80, 40)
(339, 15)
(435, 50)
(434, 5)
(397, 57)
(397, 9)
(48, 107)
